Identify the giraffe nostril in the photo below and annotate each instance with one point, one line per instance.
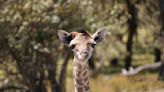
(84, 53)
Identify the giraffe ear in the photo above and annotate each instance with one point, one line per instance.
(100, 34)
(64, 36)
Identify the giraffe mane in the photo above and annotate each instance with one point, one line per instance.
(83, 31)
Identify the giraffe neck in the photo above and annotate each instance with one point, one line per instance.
(80, 73)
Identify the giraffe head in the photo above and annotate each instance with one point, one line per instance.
(82, 43)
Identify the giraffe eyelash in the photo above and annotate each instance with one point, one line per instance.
(73, 46)
(92, 45)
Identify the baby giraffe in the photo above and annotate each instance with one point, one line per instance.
(82, 45)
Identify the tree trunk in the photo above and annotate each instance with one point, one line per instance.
(52, 68)
(157, 54)
(92, 67)
(63, 72)
(161, 73)
(132, 27)
(91, 63)
(114, 62)
(161, 6)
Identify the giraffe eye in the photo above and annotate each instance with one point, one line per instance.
(92, 45)
(73, 46)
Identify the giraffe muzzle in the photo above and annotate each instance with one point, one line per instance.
(83, 55)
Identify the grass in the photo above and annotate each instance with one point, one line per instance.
(110, 80)
(118, 83)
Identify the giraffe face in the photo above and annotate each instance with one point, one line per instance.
(82, 43)
(82, 46)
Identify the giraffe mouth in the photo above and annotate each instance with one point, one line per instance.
(83, 57)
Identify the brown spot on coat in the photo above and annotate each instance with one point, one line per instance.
(86, 79)
(79, 66)
(88, 83)
(85, 73)
(80, 89)
(86, 88)
(79, 81)
(78, 73)
(74, 34)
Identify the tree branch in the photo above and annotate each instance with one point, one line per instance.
(2, 89)
(140, 69)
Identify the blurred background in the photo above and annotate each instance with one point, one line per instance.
(130, 59)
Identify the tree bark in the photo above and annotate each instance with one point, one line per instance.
(161, 6)
(132, 30)
(161, 73)
(114, 62)
(91, 63)
(157, 53)
(52, 68)
(63, 72)
(92, 67)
